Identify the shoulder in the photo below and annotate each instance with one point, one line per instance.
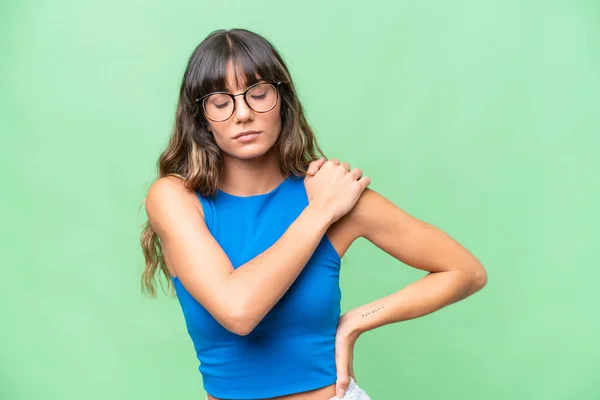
(355, 223)
(371, 212)
(169, 193)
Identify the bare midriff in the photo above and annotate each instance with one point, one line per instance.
(324, 393)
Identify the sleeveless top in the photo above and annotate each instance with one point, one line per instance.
(292, 349)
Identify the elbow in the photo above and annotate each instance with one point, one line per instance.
(473, 279)
(240, 328)
(240, 322)
(479, 277)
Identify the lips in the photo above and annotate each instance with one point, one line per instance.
(244, 134)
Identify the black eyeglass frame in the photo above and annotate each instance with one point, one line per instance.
(244, 93)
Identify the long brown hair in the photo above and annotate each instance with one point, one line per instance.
(192, 153)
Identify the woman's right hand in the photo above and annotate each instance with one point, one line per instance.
(334, 187)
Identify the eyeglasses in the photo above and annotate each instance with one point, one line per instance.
(260, 97)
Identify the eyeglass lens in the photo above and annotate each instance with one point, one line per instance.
(260, 98)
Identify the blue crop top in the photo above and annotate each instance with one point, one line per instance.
(292, 349)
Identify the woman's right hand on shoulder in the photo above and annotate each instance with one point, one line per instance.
(334, 187)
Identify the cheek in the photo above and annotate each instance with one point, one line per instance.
(220, 139)
(274, 121)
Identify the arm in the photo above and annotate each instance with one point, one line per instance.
(238, 299)
(454, 273)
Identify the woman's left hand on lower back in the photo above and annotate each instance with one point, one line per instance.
(345, 339)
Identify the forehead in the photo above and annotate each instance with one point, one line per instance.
(237, 79)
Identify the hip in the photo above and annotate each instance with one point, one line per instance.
(353, 392)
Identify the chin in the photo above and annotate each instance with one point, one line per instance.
(249, 152)
(253, 150)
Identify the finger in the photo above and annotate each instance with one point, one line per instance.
(341, 386)
(364, 181)
(335, 161)
(356, 173)
(351, 368)
(341, 365)
(346, 166)
(314, 166)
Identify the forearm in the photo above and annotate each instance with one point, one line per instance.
(424, 296)
(257, 285)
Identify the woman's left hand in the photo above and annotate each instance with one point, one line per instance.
(345, 339)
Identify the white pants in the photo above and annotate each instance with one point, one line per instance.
(353, 392)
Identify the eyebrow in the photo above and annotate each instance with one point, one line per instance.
(261, 80)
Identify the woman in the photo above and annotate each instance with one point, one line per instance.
(248, 222)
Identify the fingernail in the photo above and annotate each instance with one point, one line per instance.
(340, 393)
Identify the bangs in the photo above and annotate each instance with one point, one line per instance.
(249, 67)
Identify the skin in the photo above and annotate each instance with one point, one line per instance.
(249, 168)
(252, 168)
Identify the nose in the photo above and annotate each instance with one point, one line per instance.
(242, 111)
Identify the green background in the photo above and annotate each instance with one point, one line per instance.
(480, 117)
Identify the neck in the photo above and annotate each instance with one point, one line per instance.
(250, 177)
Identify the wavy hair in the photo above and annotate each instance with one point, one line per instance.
(192, 153)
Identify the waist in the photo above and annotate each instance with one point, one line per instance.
(323, 393)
